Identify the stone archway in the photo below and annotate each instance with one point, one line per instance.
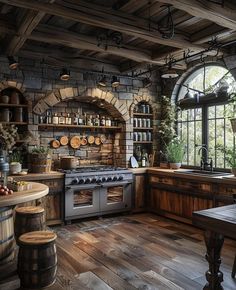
(111, 103)
(143, 97)
(12, 84)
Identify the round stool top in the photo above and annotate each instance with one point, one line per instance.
(29, 209)
(37, 238)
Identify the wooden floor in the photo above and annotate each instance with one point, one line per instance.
(141, 251)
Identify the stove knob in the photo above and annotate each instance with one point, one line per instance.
(115, 178)
(75, 181)
(104, 179)
(93, 180)
(81, 181)
(120, 177)
(109, 178)
(99, 180)
(88, 180)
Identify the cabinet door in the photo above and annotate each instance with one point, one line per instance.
(139, 192)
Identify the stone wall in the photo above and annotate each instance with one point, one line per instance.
(37, 82)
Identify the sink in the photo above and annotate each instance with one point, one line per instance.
(203, 172)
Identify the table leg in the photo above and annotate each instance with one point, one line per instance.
(214, 276)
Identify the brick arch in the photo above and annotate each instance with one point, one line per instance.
(110, 101)
(12, 84)
(143, 97)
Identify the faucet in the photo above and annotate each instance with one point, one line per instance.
(204, 160)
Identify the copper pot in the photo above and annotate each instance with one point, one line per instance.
(69, 162)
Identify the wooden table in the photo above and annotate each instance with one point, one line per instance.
(7, 203)
(217, 222)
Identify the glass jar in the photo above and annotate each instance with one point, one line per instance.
(103, 121)
(135, 136)
(55, 119)
(61, 119)
(108, 121)
(135, 122)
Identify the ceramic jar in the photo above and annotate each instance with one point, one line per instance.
(15, 98)
(4, 99)
(18, 115)
(5, 115)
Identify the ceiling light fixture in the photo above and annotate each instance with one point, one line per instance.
(170, 73)
(103, 82)
(13, 64)
(115, 82)
(65, 74)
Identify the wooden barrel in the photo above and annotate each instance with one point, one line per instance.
(37, 259)
(28, 219)
(40, 163)
(7, 242)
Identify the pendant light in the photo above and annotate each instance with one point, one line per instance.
(115, 82)
(65, 74)
(170, 73)
(13, 64)
(103, 82)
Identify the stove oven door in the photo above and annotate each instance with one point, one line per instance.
(115, 196)
(81, 201)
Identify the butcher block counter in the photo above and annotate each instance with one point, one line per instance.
(53, 202)
(176, 194)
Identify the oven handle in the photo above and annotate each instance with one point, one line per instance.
(116, 183)
(84, 186)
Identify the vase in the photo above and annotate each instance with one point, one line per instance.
(233, 170)
(175, 165)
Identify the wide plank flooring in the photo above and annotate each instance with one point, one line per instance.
(142, 251)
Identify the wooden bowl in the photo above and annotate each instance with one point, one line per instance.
(55, 144)
(75, 142)
(91, 139)
(97, 141)
(64, 140)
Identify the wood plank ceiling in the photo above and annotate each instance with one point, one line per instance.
(115, 35)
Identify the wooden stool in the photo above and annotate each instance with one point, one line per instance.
(28, 219)
(7, 243)
(37, 259)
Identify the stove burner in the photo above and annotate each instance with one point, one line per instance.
(91, 169)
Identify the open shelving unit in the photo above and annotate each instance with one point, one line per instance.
(42, 126)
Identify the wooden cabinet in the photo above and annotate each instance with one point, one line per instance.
(53, 202)
(177, 198)
(139, 192)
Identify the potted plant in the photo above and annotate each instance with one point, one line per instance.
(174, 152)
(166, 127)
(15, 162)
(40, 160)
(230, 157)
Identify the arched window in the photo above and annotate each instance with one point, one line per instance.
(204, 98)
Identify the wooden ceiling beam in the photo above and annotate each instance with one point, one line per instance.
(58, 59)
(223, 16)
(46, 34)
(30, 21)
(106, 18)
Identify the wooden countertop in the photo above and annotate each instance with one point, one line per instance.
(38, 190)
(38, 176)
(228, 179)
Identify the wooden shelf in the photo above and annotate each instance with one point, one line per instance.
(14, 123)
(142, 115)
(142, 142)
(78, 126)
(13, 105)
(143, 128)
